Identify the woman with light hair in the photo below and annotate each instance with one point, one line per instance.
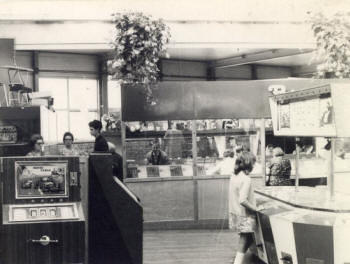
(279, 169)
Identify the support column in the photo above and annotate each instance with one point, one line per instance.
(297, 144)
(35, 67)
(254, 72)
(330, 180)
(262, 150)
(103, 85)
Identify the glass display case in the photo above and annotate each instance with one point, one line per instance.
(169, 152)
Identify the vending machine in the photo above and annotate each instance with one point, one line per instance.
(42, 220)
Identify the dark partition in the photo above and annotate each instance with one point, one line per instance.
(205, 99)
(115, 217)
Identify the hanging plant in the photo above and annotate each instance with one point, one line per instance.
(139, 42)
(333, 45)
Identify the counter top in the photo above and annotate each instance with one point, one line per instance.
(312, 198)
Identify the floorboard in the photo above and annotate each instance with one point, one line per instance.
(191, 247)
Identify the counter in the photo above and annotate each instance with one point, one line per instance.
(304, 227)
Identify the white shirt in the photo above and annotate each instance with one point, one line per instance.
(241, 190)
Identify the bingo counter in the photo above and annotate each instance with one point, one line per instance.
(308, 225)
(303, 227)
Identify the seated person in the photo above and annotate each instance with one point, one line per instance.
(36, 144)
(68, 148)
(156, 156)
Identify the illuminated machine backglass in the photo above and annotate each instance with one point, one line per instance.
(41, 211)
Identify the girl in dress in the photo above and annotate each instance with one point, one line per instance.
(243, 204)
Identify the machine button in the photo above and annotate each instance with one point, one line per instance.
(42, 212)
(52, 212)
(33, 213)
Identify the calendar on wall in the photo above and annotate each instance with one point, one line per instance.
(308, 112)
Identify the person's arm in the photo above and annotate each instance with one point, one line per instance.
(243, 195)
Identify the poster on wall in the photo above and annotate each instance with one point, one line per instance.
(38, 179)
(308, 116)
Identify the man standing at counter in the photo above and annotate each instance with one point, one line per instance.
(95, 131)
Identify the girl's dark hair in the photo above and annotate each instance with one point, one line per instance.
(34, 138)
(245, 163)
(68, 134)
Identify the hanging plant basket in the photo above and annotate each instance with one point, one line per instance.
(332, 35)
(139, 42)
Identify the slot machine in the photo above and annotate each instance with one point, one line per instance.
(42, 220)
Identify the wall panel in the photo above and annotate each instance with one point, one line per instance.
(68, 62)
(174, 68)
(269, 72)
(243, 72)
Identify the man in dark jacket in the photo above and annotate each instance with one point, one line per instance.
(95, 131)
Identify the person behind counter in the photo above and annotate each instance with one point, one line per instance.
(68, 148)
(243, 204)
(156, 156)
(95, 131)
(36, 144)
(279, 169)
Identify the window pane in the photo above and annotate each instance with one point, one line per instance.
(62, 123)
(83, 94)
(58, 88)
(114, 96)
(49, 129)
(171, 155)
(79, 125)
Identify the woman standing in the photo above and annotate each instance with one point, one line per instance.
(243, 205)
(279, 169)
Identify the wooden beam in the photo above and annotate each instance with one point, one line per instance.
(257, 57)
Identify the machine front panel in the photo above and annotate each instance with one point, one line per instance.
(40, 212)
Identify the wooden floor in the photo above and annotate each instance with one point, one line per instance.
(190, 247)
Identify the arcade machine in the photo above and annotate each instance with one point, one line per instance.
(308, 225)
(41, 213)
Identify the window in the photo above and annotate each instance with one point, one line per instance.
(75, 103)
(114, 97)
